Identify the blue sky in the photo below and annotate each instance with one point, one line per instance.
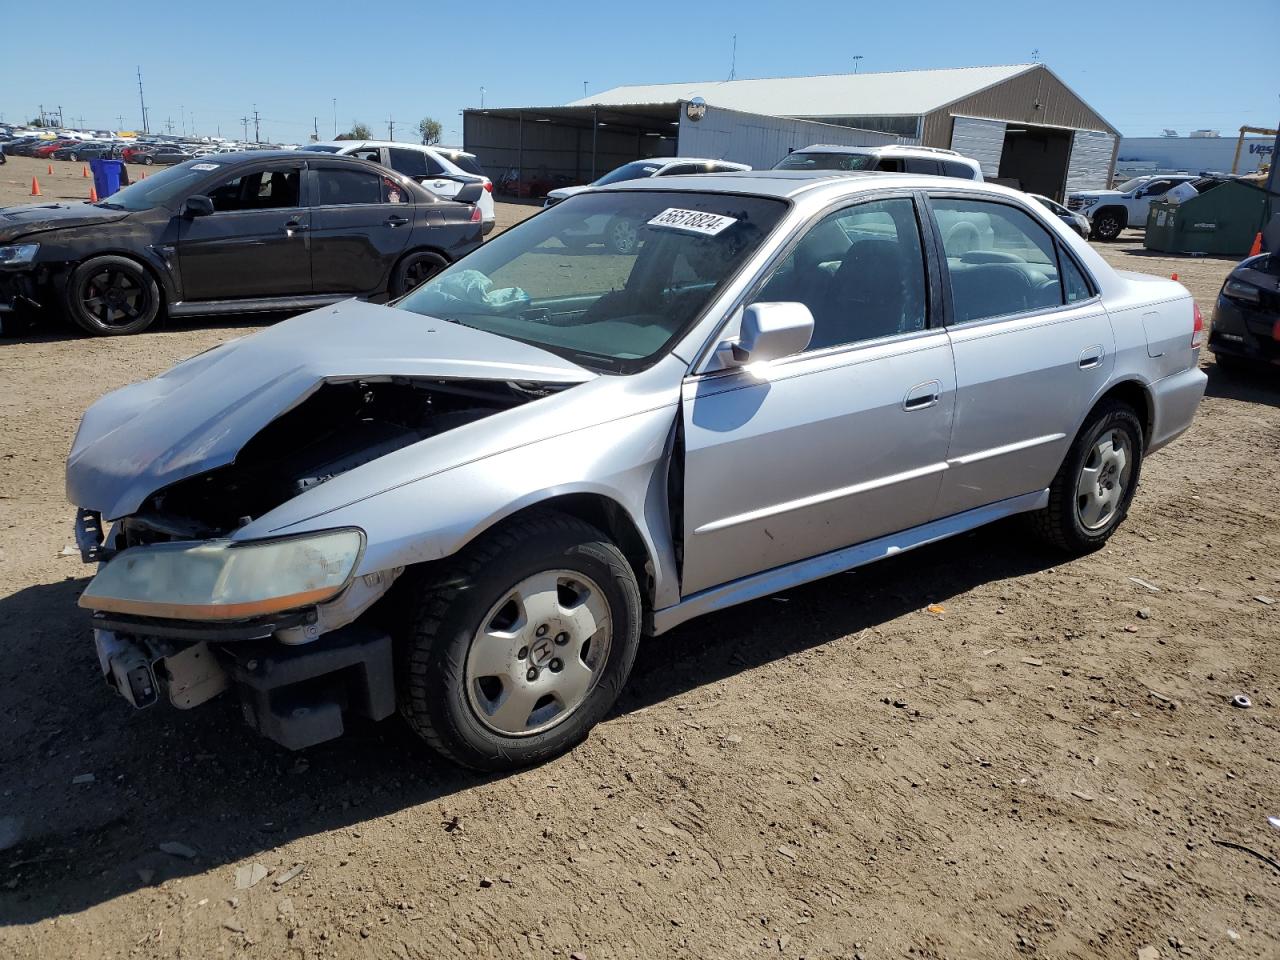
(1182, 65)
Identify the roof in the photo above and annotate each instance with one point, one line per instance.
(903, 93)
(359, 144)
(758, 183)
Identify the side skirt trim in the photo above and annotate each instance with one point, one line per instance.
(191, 308)
(815, 568)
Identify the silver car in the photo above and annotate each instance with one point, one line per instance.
(471, 505)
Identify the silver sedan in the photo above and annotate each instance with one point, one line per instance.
(471, 505)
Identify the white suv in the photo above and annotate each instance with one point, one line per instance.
(1110, 211)
(888, 159)
(442, 171)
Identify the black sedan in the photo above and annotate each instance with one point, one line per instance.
(86, 151)
(264, 231)
(1246, 318)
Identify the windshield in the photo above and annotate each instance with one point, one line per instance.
(320, 148)
(1133, 184)
(161, 188)
(823, 160)
(608, 280)
(638, 170)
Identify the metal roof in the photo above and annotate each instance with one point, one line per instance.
(904, 93)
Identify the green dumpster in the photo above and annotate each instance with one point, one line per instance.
(1222, 221)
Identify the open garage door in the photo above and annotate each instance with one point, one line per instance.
(981, 140)
(1090, 166)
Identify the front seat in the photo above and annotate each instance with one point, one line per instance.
(866, 298)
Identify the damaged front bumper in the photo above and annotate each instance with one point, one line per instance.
(297, 670)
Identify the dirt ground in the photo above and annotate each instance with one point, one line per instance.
(975, 750)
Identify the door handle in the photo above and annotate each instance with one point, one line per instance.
(922, 396)
(1091, 356)
(395, 221)
(294, 226)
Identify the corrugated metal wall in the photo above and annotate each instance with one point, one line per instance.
(1015, 100)
(762, 141)
(553, 150)
(1090, 165)
(981, 140)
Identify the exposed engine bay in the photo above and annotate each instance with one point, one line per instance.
(341, 426)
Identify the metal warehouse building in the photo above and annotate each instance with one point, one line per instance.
(1021, 122)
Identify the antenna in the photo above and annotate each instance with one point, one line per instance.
(733, 59)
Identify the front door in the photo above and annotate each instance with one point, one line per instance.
(360, 224)
(841, 444)
(255, 244)
(1033, 347)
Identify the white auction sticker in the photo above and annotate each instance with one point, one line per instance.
(204, 166)
(695, 221)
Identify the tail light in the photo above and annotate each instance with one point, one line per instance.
(1197, 332)
(488, 186)
(477, 216)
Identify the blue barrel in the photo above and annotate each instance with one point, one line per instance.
(106, 176)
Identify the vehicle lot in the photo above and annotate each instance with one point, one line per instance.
(971, 751)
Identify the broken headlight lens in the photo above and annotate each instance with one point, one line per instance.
(18, 255)
(225, 579)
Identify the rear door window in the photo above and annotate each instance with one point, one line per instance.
(338, 188)
(1000, 260)
(922, 165)
(412, 163)
(889, 165)
(952, 168)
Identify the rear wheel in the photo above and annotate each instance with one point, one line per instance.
(415, 269)
(1091, 494)
(522, 645)
(149, 161)
(112, 296)
(1107, 225)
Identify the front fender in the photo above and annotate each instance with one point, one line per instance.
(623, 460)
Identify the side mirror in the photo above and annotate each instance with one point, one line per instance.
(769, 331)
(197, 206)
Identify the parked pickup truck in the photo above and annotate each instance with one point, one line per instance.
(1110, 211)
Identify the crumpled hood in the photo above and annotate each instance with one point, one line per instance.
(16, 222)
(198, 415)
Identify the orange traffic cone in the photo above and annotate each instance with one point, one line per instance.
(35, 187)
(1257, 246)
(93, 195)
(50, 170)
(143, 176)
(84, 171)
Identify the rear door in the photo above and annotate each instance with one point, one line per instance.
(841, 444)
(255, 244)
(360, 224)
(1032, 344)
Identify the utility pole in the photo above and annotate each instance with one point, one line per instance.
(335, 118)
(61, 122)
(244, 121)
(42, 116)
(169, 122)
(584, 89)
(182, 117)
(146, 126)
(482, 98)
(315, 127)
(857, 57)
(257, 138)
(391, 129)
(119, 121)
(733, 59)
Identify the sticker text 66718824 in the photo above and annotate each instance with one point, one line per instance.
(695, 221)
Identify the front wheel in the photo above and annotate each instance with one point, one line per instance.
(149, 161)
(1107, 226)
(112, 296)
(1091, 494)
(521, 645)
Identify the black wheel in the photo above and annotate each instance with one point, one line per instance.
(521, 645)
(149, 161)
(1091, 494)
(622, 235)
(72, 157)
(415, 269)
(1107, 226)
(111, 296)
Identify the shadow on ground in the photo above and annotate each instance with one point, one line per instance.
(204, 780)
(1247, 384)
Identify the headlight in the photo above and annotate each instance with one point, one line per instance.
(1239, 290)
(19, 254)
(224, 579)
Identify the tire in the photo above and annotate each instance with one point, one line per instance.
(111, 296)
(1078, 522)
(1107, 226)
(149, 161)
(414, 269)
(622, 236)
(73, 158)
(465, 621)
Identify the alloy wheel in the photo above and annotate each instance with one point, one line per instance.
(539, 652)
(115, 296)
(1104, 477)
